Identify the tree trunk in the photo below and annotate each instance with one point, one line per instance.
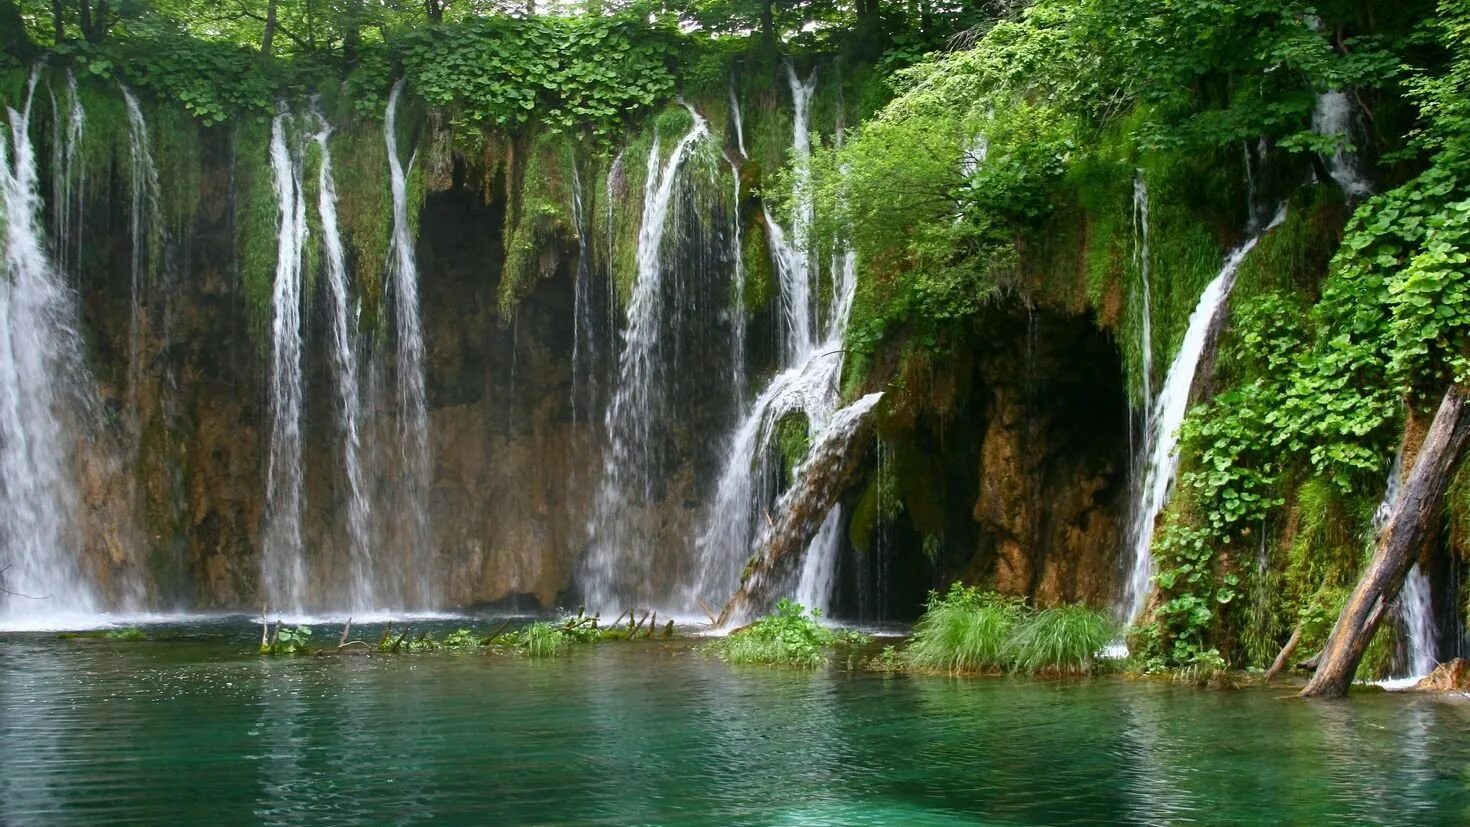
(58, 19)
(268, 35)
(1414, 522)
(768, 25)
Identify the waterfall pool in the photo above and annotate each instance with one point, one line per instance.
(198, 729)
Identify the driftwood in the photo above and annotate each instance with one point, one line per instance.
(1412, 524)
(636, 627)
(500, 630)
(1286, 652)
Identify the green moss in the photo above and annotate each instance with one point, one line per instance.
(760, 273)
(793, 440)
(539, 221)
(364, 209)
(255, 218)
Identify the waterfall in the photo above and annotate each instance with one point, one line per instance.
(67, 185)
(1415, 611)
(413, 418)
(1151, 490)
(42, 390)
(1418, 616)
(283, 559)
(806, 384)
(737, 325)
(584, 332)
(739, 123)
(1333, 118)
(631, 459)
(362, 588)
(1145, 310)
(808, 519)
(145, 229)
(791, 253)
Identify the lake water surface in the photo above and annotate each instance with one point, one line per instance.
(202, 731)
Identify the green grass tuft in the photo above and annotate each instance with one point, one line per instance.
(966, 630)
(1060, 640)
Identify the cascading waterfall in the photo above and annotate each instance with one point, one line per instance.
(738, 121)
(584, 332)
(283, 560)
(807, 384)
(1333, 117)
(413, 418)
(362, 588)
(808, 521)
(1416, 613)
(630, 465)
(146, 232)
(42, 389)
(1151, 491)
(67, 184)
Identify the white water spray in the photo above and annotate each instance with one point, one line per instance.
(808, 384)
(145, 227)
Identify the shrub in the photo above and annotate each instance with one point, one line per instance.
(790, 637)
(1061, 640)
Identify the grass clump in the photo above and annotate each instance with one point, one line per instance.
(1062, 640)
(542, 640)
(965, 630)
(968, 630)
(790, 637)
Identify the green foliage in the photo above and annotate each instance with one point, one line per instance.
(542, 221)
(585, 72)
(287, 641)
(790, 637)
(1061, 640)
(131, 633)
(966, 630)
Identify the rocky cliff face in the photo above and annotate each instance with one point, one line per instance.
(1021, 480)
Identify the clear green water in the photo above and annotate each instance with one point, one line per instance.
(202, 731)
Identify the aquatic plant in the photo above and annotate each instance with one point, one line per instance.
(542, 639)
(286, 641)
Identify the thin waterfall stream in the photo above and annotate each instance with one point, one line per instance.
(413, 417)
(362, 591)
(1151, 491)
(283, 558)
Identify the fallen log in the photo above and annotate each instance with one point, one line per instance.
(1413, 523)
